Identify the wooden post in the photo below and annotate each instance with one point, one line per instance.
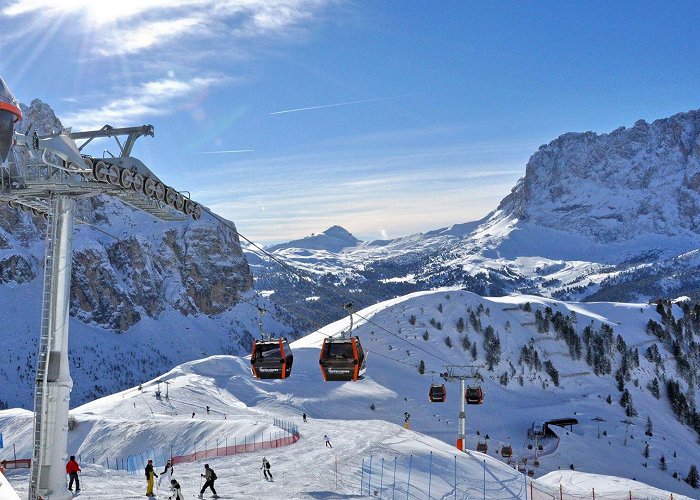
(561, 492)
(593, 493)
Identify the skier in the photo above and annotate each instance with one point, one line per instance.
(167, 472)
(207, 410)
(72, 469)
(328, 441)
(150, 474)
(192, 414)
(209, 476)
(177, 493)
(304, 417)
(266, 469)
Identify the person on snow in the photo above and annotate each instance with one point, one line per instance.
(304, 417)
(207, 410)
(328, 441)
(266, 469)
(177, 493)
(150, 475)
(209, 478)
(167, 473)
(72, 469)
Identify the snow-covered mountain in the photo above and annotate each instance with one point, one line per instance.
(532, 372)
(596, 217)
(157, 293)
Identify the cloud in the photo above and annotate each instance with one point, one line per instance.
(134, 26)
(148, 99)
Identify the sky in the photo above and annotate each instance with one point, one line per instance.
(387, 118)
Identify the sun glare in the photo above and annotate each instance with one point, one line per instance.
(98, 12)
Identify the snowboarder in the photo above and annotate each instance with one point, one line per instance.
(72, 469)
(167, 473)
(177, 493)
(266, 469)
(304, 417)
(209, 476)
(150, 475)
(328, 441)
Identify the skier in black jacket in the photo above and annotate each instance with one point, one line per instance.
(266, 469)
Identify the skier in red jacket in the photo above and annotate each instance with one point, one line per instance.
(72, 469)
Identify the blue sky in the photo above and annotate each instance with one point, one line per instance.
(423, 114)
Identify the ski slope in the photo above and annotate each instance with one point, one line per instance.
(364, 419)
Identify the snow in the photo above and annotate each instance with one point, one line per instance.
(135, 421)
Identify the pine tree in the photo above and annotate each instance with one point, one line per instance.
(412, 320)
(646, 450)
(692, 478)
(474, 353)
(649, 429)
(662, 463)
(653, 387)
(448, 341)
(421, 367)
(460, 325)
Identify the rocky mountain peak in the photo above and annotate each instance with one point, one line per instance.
(599, 185)
(333, 239)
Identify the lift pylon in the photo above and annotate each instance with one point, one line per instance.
(462, 373)
(45, 175)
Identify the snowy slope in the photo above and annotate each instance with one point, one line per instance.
(393, 386)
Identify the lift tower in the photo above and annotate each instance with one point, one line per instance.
(462, 373)
(44, 175)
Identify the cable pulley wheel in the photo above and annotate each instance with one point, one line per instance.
(99, 171)
(126, 180)
(137, 182)
(149, 187)
(113, 175)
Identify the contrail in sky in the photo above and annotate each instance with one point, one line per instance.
(225, 151)
(347, 103)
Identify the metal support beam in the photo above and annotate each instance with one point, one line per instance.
(461, 446)
(133, 133)
(53, 381)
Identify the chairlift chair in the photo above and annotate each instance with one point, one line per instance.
(271, 358)
(438, 393)
(474, 395)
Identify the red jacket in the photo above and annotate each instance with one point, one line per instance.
(72, 466)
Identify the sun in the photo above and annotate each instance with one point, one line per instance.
(94, 12)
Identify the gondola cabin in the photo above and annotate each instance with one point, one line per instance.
(438, 393)
(271, 359)
(342, 359)
(482, 447)
(474, 395)
(506, 451)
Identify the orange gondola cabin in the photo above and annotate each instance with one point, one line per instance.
(271, 359)
(438, 393)
(474, 395)
(342, 359)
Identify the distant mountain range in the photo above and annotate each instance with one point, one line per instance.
(596, 217)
